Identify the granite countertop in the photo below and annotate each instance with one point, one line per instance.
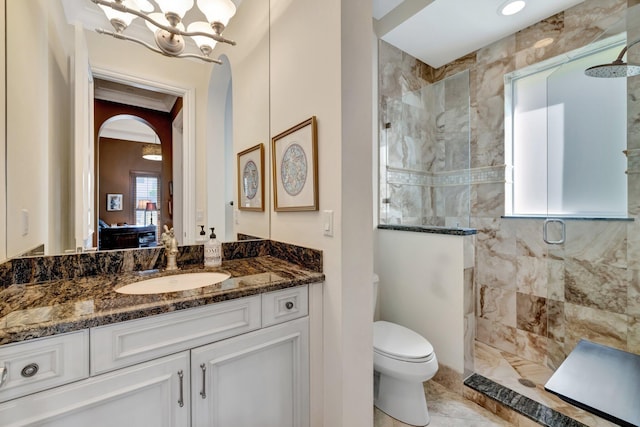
(36, 310)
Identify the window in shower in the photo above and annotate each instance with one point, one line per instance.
(565, 137)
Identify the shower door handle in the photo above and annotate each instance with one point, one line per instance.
(562, 231)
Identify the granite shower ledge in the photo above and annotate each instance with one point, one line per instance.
(529, 408)
(429, 229)
(36, 310)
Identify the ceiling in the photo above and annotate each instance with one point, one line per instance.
(108, 90)
(440, 31)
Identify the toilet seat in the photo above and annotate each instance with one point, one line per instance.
(397, 342)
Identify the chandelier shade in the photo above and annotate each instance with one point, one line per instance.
(152, 152)
(168, 26)
(204, 43)
(217, 11)
(179, 7)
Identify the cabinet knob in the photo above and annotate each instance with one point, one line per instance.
(289, 305)
(30, 370)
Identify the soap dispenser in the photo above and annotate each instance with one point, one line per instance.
(212, 251)
(203, 235)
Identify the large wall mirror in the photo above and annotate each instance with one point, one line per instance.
(78, 103)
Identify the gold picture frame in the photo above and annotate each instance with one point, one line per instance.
(251, 179)
(294, 156)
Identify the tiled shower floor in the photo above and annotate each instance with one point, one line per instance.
(506, 369)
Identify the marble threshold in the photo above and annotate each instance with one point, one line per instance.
(517, 385)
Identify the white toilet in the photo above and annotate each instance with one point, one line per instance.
(402, 361)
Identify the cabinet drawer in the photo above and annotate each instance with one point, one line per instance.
(126, 343)
(284, 305)
(43, 363)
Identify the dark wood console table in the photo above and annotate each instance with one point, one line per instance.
(128, 236)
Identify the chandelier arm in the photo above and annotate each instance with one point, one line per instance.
(202, 57)
(215, 37)
(121, 36)
(170, 29)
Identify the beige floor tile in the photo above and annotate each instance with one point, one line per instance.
(447, 409)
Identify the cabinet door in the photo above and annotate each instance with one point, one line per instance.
(145, 395)
(256, 379)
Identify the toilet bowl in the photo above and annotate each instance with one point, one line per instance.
(402, 361)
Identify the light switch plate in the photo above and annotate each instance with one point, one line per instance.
(327, 223)
(24, 221)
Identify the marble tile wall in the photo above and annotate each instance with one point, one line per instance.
(532, 299)
(424, 128)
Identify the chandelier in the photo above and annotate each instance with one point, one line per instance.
(168, 26)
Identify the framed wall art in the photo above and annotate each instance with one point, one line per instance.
(251, 179)
(294, 155)
(114, 202)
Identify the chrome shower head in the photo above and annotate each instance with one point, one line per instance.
(617, 68)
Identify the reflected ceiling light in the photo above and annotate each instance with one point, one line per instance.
(152, 152)
(167, 25)
(617, 68)
(543, 43)
(511, 7)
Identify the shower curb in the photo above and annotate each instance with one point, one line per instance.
(520, 404)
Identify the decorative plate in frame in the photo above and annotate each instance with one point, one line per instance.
(294, 156)
(251, 179)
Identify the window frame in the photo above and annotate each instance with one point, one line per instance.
(509, 87)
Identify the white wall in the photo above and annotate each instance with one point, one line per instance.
(37, 130)
(321, 65)
(249, 65)
(3, 141)
(422, 288)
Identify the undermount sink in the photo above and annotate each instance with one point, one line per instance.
(173, 283)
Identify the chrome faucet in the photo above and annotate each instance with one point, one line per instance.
(171, 245)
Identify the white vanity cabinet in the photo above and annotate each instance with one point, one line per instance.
(243, 362)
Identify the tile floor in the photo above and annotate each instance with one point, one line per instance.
(506, 369)
(447, 409)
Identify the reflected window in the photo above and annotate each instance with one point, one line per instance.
(146, 189)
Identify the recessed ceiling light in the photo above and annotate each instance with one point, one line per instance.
(511, 7)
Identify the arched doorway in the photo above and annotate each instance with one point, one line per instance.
(133, 176)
